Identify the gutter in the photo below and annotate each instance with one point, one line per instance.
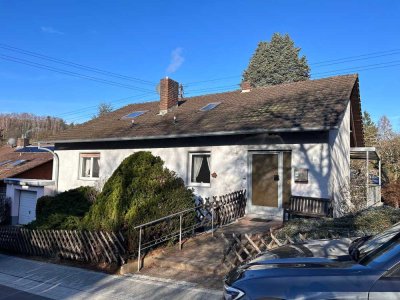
(29, 182)
(56, 159)
(172, 136)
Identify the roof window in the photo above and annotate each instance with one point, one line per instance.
(135, 114)
(18, 162)
(210, 106)
(5, 162)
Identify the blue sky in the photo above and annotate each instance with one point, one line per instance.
(189, 41)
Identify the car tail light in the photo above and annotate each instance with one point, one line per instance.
(231, 293)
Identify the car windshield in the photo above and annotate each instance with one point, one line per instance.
(377, 244)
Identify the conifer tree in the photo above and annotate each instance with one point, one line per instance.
(276, 62)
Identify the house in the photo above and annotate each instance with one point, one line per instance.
(25, 175)
(277, 141)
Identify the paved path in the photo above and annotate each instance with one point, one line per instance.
(61, 282)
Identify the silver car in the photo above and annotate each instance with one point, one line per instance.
(371, 270)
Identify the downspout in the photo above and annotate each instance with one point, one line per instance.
(56, 159)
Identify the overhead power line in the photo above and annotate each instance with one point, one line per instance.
(87, 115)
(319, 64)
(92, 107)
(70, 73)
(359, 57)
(75, 65)
(212, 88)
(361, 68)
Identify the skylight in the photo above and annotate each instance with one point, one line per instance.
(18, 162)
(210, 106)
(4, 162)
(135, 114)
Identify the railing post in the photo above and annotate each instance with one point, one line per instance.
(212, 220)
(180, 231)
(140, 244)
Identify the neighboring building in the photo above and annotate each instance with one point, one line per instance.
(277, 141)
(25, 175)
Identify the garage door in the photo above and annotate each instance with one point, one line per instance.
(27, 207)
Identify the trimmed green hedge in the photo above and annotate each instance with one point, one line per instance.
(65, 210)
(140, 190)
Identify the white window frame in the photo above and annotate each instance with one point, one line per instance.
(83, 155)
(198, 184)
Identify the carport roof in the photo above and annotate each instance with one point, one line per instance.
(361, 153)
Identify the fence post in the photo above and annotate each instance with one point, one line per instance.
(212, 220)
(139, 265)
(180, 231)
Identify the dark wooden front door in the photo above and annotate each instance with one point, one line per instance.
(265, 179)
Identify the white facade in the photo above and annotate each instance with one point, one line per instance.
(230, 163)
(339, 140)
(328, 165)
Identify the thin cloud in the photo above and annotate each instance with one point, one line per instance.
(176, 60)
(51, 30)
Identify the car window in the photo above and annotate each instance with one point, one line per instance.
(394, 272)
(377, 245)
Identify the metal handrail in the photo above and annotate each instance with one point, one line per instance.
(170, 216)
(171, 235)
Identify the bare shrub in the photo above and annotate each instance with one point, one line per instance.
(390, 194)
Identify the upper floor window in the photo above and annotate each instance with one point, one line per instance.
(89, 165)
(200, 169)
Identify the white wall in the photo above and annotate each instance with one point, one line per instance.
(229, 162)
(339, 141)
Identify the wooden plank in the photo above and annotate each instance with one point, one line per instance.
(58, 246)
(35, 239)
(91, 243)
(88, 246)
(105, 252)
(72, 251)
(108, 246)
(252, 243)
(82, 249)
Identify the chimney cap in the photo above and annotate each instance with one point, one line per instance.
(245, 86)
(22, 142)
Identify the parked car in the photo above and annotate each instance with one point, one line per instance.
(371, 270)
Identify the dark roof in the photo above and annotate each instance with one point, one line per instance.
(306, 105)
(9, 158)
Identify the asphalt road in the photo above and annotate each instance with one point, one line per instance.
(27, 279)
(7, 293)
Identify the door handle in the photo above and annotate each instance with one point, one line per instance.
(276, 177)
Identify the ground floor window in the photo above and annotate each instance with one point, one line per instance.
(89, 165)
(200, 173)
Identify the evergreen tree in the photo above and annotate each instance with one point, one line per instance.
(370, 130)
(276, 62)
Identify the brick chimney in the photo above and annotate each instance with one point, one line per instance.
(169, 94)
(245, 86)
(22, 142)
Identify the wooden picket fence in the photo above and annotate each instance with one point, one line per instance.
(88, 246)
(227, 208)
(240, 248)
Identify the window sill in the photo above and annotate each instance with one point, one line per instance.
(89, 178)
(195, 184)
